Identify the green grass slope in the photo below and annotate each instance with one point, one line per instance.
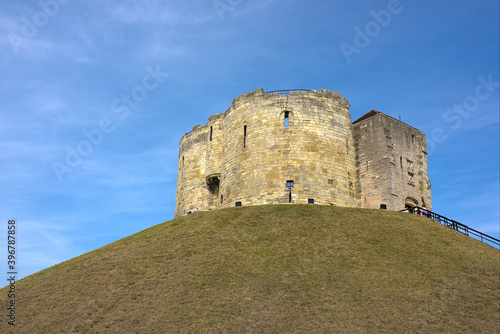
(271, 269)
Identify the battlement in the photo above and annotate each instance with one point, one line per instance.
(290, 146)
(260, 93)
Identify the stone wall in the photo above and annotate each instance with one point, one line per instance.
(392, 163)
(315, 150)
(300, 147)
(200, 153)
(253, 153)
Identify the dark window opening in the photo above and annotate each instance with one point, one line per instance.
(287, 116)
(189, 212)
(289, 183)
(310, 201)
(383, 206)
(244, 136)
(238, 203)
(413, 139)
(221, 198)
(182, 167)
(211, 132)
(290, 196)
(213, 185)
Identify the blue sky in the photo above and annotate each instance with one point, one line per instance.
(122, 81)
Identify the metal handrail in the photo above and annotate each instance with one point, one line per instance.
(462, 228)
(287, 91)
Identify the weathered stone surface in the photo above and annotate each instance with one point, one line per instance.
(392, 163)
(250, 153)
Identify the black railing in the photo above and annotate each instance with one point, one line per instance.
(287, 91)
(462, 228)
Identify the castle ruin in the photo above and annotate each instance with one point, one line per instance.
(300, 146)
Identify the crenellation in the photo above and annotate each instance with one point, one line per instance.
(264, 141)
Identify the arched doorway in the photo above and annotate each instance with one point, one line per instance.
(410, 203)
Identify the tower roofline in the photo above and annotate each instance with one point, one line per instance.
(373, 113)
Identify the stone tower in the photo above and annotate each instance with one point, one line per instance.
(299, 147)
(392, 163)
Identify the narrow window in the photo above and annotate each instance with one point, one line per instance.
(401, 162)
(310, 201)
(290, 196)
(244, 136)
(287, 116)
(238, 203)
(182, 167)
(211, 132)
(221, 198)
(413, 139)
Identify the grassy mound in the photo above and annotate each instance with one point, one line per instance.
(271, 269)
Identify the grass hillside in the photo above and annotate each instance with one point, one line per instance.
(271, 269)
